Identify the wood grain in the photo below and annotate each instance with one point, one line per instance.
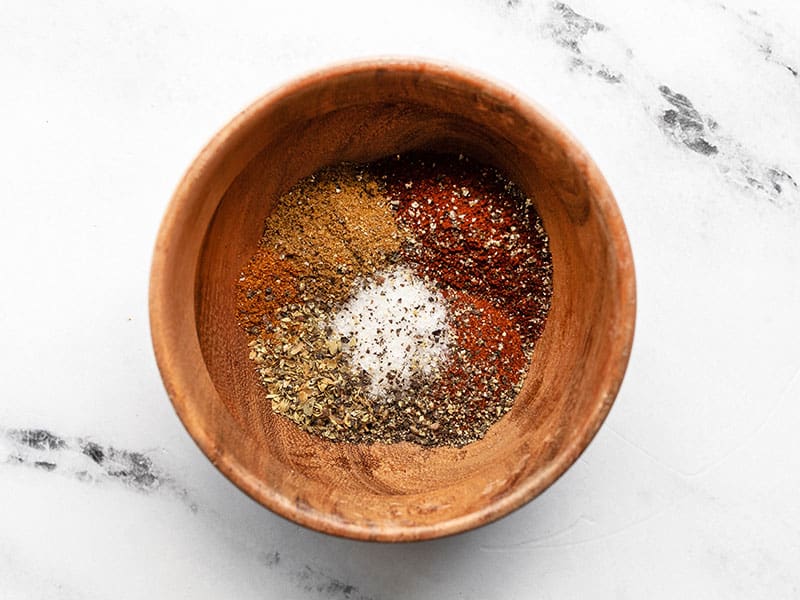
(389, 492)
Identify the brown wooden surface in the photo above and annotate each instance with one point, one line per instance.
(402, 491)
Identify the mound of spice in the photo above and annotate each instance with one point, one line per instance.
(397, 301)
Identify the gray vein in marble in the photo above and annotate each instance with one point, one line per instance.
(767, 50)
(763, 40)
(88, 461)
(313, 580)
(675, 115)
(685, 125)
(568, 28)
(38, 439)
(571, 27)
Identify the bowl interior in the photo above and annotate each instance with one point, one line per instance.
(400, 491)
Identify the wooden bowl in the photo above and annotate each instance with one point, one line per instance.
(361, 112)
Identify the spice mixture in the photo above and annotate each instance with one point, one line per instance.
(397, 301)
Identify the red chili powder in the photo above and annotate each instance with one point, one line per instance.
(485, 336)
(475, 232)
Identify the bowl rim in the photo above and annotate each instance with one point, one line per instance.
(166, 339)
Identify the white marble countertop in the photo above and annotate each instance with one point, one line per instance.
(692, 487)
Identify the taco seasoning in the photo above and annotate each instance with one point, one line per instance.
(399, 300)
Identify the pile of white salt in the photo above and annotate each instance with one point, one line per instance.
(397, 329)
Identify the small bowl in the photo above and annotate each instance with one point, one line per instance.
(398, 492)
